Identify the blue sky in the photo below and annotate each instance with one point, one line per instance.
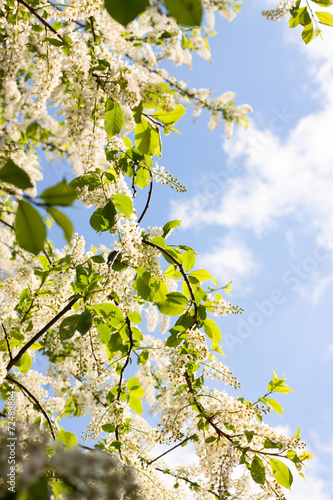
(259, 211)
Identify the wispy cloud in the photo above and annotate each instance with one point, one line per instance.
(281, 177)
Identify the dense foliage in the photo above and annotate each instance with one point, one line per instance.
(85, 83)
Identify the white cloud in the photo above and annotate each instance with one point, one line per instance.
(290, 177)
(315, 288)
(229, 260)
(329, 353)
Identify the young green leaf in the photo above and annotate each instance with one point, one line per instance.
(170, 117)
(203, 275)
(308, 33)
(212, 331)
(125, 11)
(12, 174)
(135, 404)
(134, 387)
(61, 194)
(67, 327)
(123, 204)
(63, 221)
(24, 363)
(325, 18)
(188, 260)
(84, 322)
(258, 471)
(147, 138)
(68, 439)
(30, 228)
(114, 118)
(186, 12)
(281, 473)
(169, 226)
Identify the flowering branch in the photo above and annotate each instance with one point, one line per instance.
(35, 400)
(7, 341)
(171, 449)
(38, 335)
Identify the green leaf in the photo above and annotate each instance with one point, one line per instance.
(304, 16)
(186, 12)
(188, 260)
(84, 322)
(278, 385)
(68, 439)
(258, 471)
(210, 439)
(143, 289)
(67, 327)
(135, 317)
(111, 313)
(270, 444)
(30, 228)
(298, 434)
(325, 18)
(24, 363)
(212, 331)
(142, 177)
(123, 204)
(12, 174)
(134, 387)
(273, 404)
(116, 342)
(308, 33)
(63, 221)
(249, 435)
(135, 404)
(293, 21)
(323, 3)
(104, 218)
(203, 275)
(170, 117)
(292, 455)
(281, 473)
(114, 118)
(59, 489)
(147, 138)
(169, 226)
(54, 41)
(125, 11)
(144, 356)
(61, 194)
(174, 304)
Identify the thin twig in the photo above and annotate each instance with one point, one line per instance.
(193, 483)
(8, 344)
(6, 224)
(91, 19)
(181, 269)
(147, 202)
(171, 449)
(40, 19)
(35, 400)
(41, 333)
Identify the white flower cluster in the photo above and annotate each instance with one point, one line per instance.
(280, 11)
(94, 474)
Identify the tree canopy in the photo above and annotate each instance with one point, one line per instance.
(128, 330)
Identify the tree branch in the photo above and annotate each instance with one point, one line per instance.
(41, 20)
(171, 449)
(40, 333)
(181, 269)
(7, 341)
(147, 202)
(35, 400)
